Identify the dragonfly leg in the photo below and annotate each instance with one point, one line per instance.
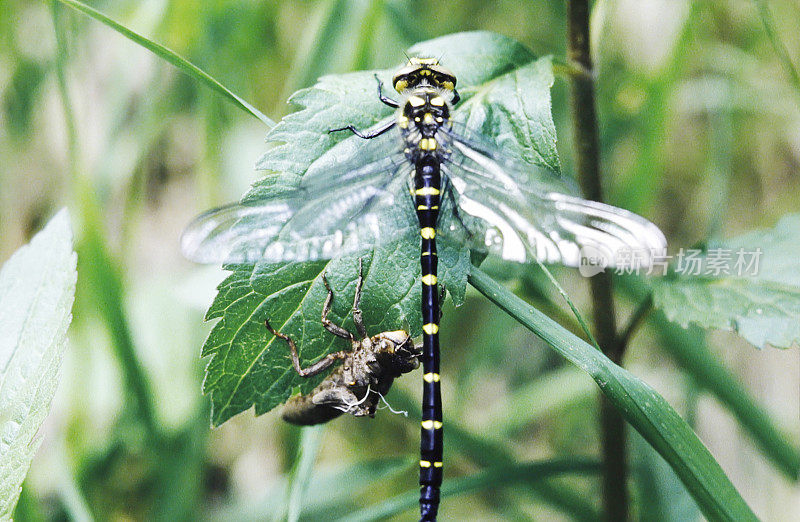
(388, 101)
(442, 295)
(335, 329)
(314, 369)
(358, 319)
(367, 135)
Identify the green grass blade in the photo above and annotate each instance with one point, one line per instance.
(75, 505)
(780, 48)
(641, 406)
(363, 49)
(402, 16)
(170, 56)
(661, 495)
(326, 498)
(571, 305)
(495, 477)
(638, 192)
(310, 438)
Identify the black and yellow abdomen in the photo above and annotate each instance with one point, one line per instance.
(427, 191)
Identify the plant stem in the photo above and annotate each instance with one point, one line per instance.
(587, 162)
(637, 318)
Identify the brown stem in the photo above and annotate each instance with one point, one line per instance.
(637, 318)
(587, 162)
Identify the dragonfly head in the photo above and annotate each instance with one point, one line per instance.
(396, 352)
(423, 71)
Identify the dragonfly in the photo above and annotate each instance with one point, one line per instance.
(423, 170)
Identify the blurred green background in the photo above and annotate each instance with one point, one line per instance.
(700, 132)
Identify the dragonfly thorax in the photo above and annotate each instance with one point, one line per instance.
(424, 121)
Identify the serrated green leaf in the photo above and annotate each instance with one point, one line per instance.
(37, 287)
(760, 303)
(506, 93)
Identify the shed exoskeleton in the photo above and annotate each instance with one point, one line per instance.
(367, 371)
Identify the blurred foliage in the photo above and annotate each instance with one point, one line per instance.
(700, 133)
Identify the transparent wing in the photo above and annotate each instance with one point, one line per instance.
(337, 209)
(524, 213)
(354, 158)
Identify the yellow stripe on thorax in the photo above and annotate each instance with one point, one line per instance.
(427, 144)
(427, 191)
